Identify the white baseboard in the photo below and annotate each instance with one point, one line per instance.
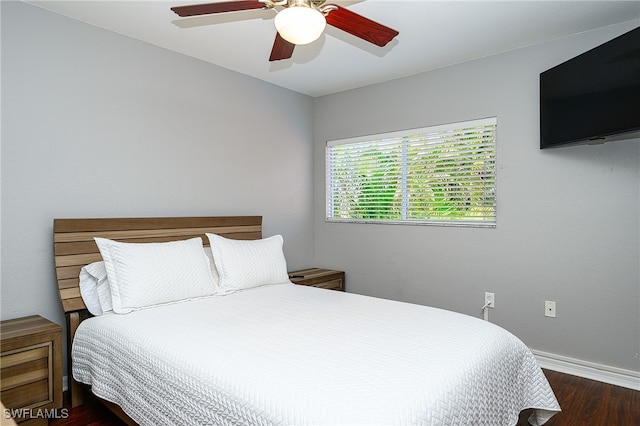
(589, 370)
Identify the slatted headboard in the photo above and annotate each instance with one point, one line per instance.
(74, 248)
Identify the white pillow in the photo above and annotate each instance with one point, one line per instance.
(212, 264)
(142, 275)
(89, 287)
(95, 275)
(244, 264)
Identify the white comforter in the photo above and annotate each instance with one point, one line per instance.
(294, 355)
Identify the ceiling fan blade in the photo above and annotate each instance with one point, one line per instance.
(360, 26)
(220, 7)
(282, 49)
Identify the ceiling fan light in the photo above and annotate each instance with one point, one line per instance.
(300, 24)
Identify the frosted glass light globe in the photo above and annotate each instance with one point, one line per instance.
(299, 24)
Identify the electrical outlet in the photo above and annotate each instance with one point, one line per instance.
(549, 308)
(490, 300)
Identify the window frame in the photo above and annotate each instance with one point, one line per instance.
(405, 135)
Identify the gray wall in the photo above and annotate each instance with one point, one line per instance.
(95, 124)
(568, 219)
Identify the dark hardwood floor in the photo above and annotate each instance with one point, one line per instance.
(91, 413)
(584, 402)
(587, 402)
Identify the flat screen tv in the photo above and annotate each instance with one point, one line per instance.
(594, 97)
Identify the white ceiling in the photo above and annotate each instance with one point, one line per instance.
(433, 34)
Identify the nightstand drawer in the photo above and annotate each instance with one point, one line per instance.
(24, 355)
(330, 285)
(30, 395)
(321, 278)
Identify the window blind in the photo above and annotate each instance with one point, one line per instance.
(441, 175)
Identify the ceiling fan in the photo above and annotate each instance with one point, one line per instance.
(300, 22)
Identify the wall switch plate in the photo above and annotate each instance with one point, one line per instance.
(490, 300)
(549, 308)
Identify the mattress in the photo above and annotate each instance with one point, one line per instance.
(295, 355)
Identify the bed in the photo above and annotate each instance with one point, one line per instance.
(260, 350)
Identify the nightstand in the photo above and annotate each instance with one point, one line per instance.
(316, 277)
(31, 368)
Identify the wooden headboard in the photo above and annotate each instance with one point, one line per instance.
(74, 248)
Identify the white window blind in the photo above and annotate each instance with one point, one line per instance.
(441, 175)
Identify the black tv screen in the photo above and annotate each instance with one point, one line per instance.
(593, 97)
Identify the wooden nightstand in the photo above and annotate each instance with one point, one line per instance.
(316, 277)
(31, 367)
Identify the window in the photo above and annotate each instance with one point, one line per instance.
(441, 175)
